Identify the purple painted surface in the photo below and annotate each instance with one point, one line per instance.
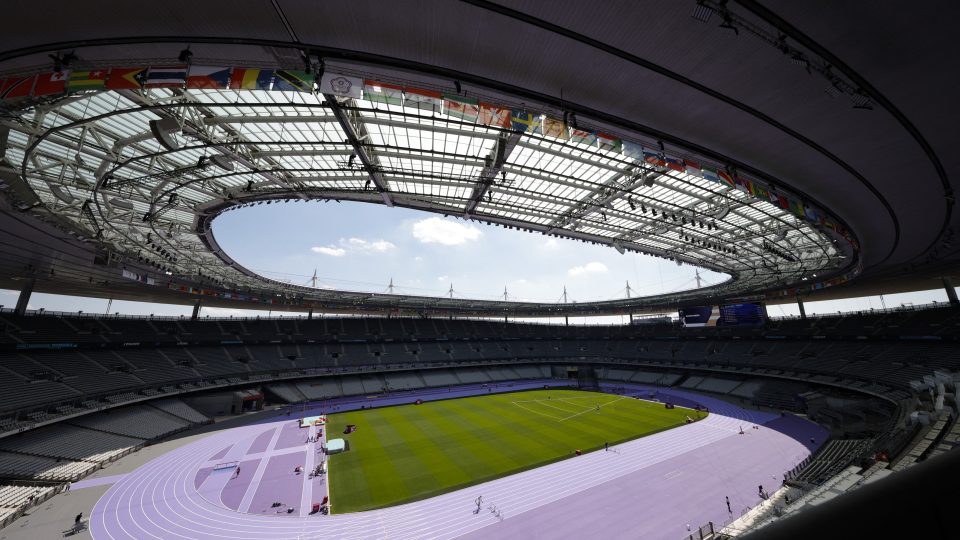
(279, 483)
(201, 476)
(260, 443)
(221, 453)
(291, 434)
(233, 492)
(102, 481)
(669, 479)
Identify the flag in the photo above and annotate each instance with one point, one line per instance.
(552, 127)
(208, 77)
(491, 115)
(126, 78)
(251, 79)
(422, 99)
(51, 83)
(781, 201)
(744, 185)
(609, 142)
(796, 207)
(341, 85)
(523, 121)
(693, 168)
(461, 107)
(654, 158)
(726, 179)
(166, 77)
(632, 150)
(300, 81)
(810, 213)
(759, 191)
(16, 87)
(673, 162)
(87, 80)
(711, 175)
(583, 137)
(379, 92)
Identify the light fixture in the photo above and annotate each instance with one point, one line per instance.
(456, 84)
(630, 204)
(164, 130)
(701, 12)
(728, 24)
(185, 56)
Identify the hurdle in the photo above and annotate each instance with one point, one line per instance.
(225, 465)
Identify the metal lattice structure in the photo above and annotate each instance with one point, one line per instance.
(96, 161)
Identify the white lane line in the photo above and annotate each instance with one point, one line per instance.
(306, 494)
(258, 475)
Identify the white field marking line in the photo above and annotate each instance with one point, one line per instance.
(549, 404)
(588, 410)
(591, 405)
(519, 404)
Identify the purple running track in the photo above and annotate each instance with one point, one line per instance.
(673, 478)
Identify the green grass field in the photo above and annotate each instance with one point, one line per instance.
(409, 452)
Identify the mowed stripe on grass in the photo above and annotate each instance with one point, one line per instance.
(410, 452)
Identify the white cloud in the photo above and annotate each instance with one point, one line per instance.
(329, 250)
(442, 278)
(354, 245)
(551, 243)
(375, 246)
(418, 258)
(589, 268)
(440, 231)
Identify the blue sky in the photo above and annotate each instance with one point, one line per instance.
(360, 246)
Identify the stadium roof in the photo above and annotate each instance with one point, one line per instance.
(681, 151)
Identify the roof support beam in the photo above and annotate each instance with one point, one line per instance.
(346, 118)
(493, 165)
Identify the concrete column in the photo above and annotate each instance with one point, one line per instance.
(310, 314)
(951, 292)
(803, 312)
(196, 311)
(24, 297)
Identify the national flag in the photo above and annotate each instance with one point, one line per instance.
(725, 178)
(632, 150)
(51, 83)
(379, 92)
(524, 121)
(461, 107)
(673, 162)
(339, 85)
(711, 175)
(422, 99)
(491, 115)
(87, 80)
(796, 207)
(609, 142)
(692, 167)
(759, 191)
(251, 79)
(744, 184)
(583, 137)
(208, 77)
(780, 202)
(294, 80)
(552, 127)
(166, 77)
(16, 87)
(126, 78)
(654, 158)
(810, 213)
